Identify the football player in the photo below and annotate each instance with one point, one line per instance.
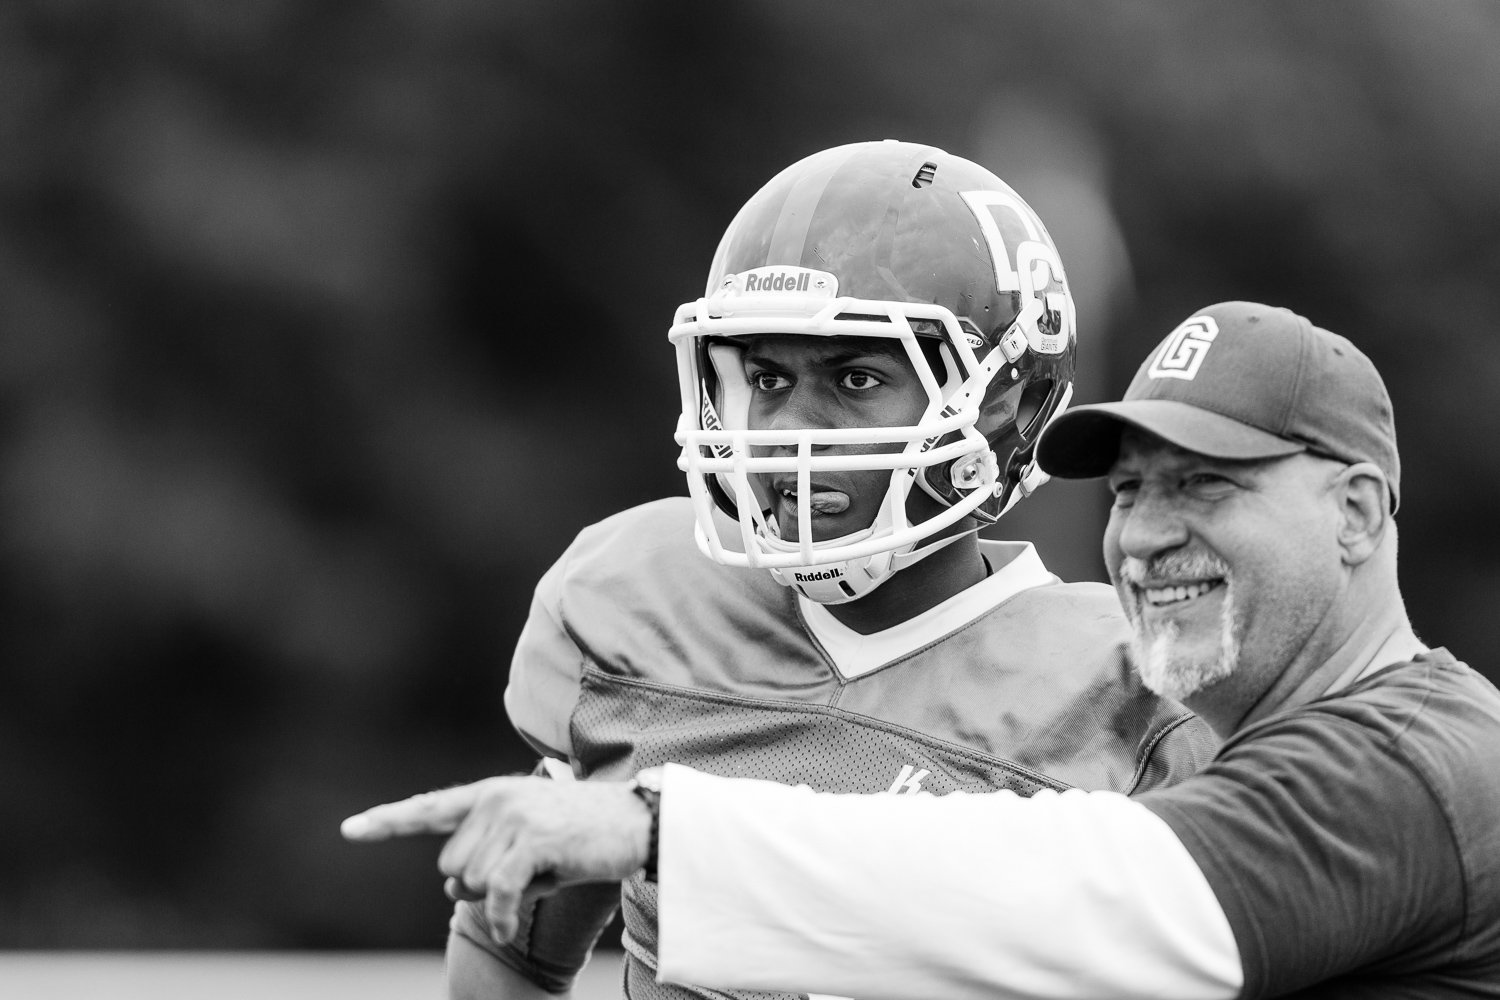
(885, 331)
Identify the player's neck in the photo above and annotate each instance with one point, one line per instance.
(915, 589)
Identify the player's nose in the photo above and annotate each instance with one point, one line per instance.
(804, 407)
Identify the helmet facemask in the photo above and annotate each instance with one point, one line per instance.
(726, 461)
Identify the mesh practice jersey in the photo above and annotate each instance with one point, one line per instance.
(639, 651)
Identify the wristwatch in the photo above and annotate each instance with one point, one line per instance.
(647, 787)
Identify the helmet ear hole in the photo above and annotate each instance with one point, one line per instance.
(1033, 399)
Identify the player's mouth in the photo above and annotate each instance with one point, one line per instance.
(819, 502)
(822, 500)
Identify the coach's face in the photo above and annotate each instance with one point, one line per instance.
(1225, 568)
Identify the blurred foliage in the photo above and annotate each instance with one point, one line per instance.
(324, 326)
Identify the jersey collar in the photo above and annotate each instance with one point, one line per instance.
(1016, 567)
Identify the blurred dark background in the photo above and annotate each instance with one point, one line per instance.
(325, 325)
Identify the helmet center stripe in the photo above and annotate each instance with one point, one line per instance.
(790, 234)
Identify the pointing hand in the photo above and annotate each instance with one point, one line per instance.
(517, 838)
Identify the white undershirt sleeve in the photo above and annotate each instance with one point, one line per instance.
(917, 897)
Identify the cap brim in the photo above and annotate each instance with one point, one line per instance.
(1084, 442)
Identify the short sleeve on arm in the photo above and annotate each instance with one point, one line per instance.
(545, 672)
(1175, 752)
(1325, 849)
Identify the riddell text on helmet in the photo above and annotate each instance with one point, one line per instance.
(827, 574)
(778, 282)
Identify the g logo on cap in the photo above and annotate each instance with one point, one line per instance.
(1182, 355)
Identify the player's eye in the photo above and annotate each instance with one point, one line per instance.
(858, 380)
(768, 381)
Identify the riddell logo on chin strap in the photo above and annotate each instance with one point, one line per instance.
(827, 574)
(778, 282)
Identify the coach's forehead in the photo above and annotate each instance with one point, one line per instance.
(1137, 443)
(1143, 452)
(1141, 447)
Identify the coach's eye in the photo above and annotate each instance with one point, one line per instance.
(1124, 491)
(1208, 484)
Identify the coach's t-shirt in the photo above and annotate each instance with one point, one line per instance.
(1360, 831)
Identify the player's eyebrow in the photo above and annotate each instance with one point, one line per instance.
(841, 354)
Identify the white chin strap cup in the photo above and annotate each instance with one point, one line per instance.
(842, 582)
(836, 583)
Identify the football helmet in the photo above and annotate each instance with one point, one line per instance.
(877, 239)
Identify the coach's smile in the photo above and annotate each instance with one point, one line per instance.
(1170, 594)
(1189, 603)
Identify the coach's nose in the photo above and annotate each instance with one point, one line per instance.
(1152, 525)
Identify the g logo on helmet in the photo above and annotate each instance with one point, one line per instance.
(1046, 316)
(1182, 355)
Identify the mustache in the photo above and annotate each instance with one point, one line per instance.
(1177, 565)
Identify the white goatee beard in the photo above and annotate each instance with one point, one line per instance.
(1164, 671)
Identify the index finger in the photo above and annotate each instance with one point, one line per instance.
(431, 812)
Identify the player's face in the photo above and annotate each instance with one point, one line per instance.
(826, 382)
(1225, 568)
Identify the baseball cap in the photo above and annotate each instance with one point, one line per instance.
(1239, 380)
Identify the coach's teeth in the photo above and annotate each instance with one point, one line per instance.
(1160, 596)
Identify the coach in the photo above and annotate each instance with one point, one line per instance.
(1345, 840)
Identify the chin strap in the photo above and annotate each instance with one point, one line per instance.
(842, 582)
(916, 555)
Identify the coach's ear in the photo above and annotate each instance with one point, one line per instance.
(1364, 510)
